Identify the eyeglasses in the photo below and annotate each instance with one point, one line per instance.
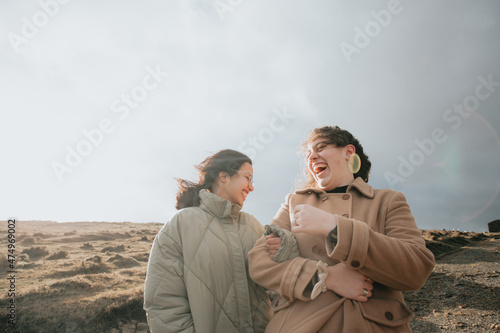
(320, 146)
(247, 175)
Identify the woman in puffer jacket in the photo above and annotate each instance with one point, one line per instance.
(359, 247)
(197, 278)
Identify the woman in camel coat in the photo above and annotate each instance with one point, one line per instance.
(359, 247)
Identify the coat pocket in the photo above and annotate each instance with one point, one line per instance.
(305, 317)
(391, 313)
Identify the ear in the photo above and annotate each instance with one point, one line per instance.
(349, 150)
(223, 176)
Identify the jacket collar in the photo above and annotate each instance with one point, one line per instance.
(218, 206)
(358, 183)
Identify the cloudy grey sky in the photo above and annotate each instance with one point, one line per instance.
(103, 104)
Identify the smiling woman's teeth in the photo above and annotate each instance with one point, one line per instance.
(319, 168)
(244, 193)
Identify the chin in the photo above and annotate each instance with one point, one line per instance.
(322, 184)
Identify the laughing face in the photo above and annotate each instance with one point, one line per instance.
(328, 164)
(235, 188)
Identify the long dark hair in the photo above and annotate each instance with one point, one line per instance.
(227, 160)
(340, 138)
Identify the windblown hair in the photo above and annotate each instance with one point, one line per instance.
(340, 138)
(226, 160)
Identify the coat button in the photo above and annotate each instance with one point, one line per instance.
(355, 263)
(389, 315)
(345, 215)
(346, 196)
(324, 199)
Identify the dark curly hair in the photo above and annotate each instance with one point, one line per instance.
(340, 138)
(227, 160)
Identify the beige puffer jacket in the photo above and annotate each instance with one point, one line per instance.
(197, 278)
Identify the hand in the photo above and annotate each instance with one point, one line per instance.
(348, 283)
(312, 220)
(273, 244)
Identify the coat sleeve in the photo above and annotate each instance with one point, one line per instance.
(289, 248)
(397, 258)
(289, 278)
(165, 295)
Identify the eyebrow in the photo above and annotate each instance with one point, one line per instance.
(317, 144)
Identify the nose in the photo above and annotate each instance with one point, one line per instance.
(250, 186)
(312, 156)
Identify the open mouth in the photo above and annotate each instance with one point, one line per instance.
(319, 168)
(244, 193)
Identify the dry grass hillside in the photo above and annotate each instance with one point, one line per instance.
(89, 276)
(78, 277)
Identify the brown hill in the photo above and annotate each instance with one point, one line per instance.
(89, 277)
(463, 291)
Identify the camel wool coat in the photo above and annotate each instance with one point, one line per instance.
(376, 235)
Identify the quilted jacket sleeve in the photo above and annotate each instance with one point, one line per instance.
(289, 248)
(165, 296)
(397, 258)
(289, 278)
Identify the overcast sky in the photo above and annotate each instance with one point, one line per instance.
(103, 104)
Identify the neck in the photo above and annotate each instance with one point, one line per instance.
(344, 182)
